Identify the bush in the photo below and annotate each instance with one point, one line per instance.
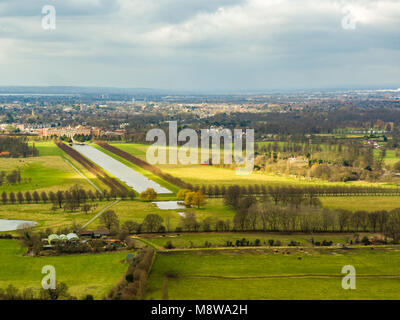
(365, 241)
(169, 245)
(129, 277)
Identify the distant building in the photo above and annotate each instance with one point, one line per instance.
(69, 131)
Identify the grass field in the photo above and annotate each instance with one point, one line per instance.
(219, 239)
(138, 210)
(45, 217)
(390, 158)
(47, 172)
(266, 274)
(93, 274)
(373, 203)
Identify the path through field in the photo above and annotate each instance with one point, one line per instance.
(100, 213)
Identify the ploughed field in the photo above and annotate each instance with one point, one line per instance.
(132, 178)
(278, 273)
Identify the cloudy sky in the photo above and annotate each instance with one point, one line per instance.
(214, 45)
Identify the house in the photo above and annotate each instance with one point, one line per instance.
(94, 233)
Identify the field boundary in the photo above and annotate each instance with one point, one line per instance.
(101, 212)
(291, 276)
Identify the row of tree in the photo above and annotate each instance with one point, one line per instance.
(133, 284)
(74, 197)
(261, 216)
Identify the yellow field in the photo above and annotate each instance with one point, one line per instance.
(361, 203)
(212, 175)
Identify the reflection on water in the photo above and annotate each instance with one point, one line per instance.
(168, 205)
(11, 225)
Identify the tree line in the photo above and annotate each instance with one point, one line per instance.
(16, 147)
(264, 216)
(308, 191)
(70, 200)
(133, 285)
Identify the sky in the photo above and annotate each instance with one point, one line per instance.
(202, 45)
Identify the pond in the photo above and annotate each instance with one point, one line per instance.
(168, 205)
(132, 178)
(11, 225)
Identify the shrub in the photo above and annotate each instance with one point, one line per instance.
(129, 277)
(169, 245)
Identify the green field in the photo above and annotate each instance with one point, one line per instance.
(84, 274)
(45, 216)
(275, 274)
(138, 210)
(47, 172)
(219, 239)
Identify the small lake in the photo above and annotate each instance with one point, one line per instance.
(168, 205)
(11, 225)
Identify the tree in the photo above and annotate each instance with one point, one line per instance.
(52, 197)
(123, 235)
(189, 222)
(131, 194)
(4, 197)
(208, 224)
(44, 197)
(198, 199)
(20, 197)
(60, 292)
(188, 198)
(182, 193)
(393, 226)
(12, 197)
(152, 222)
(148, 195)
(232, 195)
(86, 208)
(36, 197)
(28, 197)
(109, 220)
(60, 198)
(131, 226)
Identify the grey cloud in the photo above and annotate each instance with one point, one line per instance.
(200, 44)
